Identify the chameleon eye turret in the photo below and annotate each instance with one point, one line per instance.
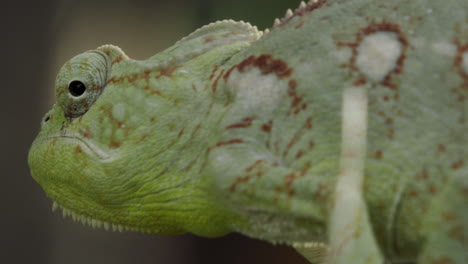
(80, 82)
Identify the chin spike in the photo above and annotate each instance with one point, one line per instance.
(55, 206)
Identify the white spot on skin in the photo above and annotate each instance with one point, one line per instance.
(444, 48)
(378, 54)
(255, 91)
(342, 54)
(465, 62)
(118, 111)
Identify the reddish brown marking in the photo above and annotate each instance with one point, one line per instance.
(308, 123)
(289, 179)
(238, 181)
(432, 189)
(425, 174)
(115, 144)
(181, 132)
(299, 25)
(157, 92)
(378, 154)
(243, 179)
(457, 164)
(215, 68)
(146, 77)
(87, 133)
(462, 91)
(457, 233)
(293, 141)
(299, 153)
(246, 122)
(208, 40)
(229, 34)
(229, 142)
(168, 71)
(296, 99)
(306, 168)
(117, 60)
(413, 193)
(267, 127)
(311, 6)
(257, 163)
(389, 121)
(311, 144)
(215, 83)
(265, 63)
(461, 49)
(78, 149)
(359, 82)
(195, 130)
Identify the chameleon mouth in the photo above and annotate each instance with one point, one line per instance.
(91, 147)
(95, 223)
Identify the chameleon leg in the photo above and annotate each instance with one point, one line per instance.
(350, 232)
(447, 224)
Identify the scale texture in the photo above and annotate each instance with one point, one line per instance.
(341, 131)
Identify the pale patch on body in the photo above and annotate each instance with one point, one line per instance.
(378, 54)
(444, 48)
(118, 111)
(256, 92)
(342, 54)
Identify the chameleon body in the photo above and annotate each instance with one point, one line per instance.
(341, 131)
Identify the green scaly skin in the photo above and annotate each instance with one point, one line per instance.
(341, 131)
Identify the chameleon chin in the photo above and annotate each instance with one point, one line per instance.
(341, 131)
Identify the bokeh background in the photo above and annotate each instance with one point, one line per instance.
(37, 37)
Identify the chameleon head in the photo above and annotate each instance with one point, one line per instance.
(68, 158)
(96, 156)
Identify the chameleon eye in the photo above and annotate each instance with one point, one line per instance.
(76, 88)
(81, 81)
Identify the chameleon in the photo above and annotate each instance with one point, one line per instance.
(340, 131)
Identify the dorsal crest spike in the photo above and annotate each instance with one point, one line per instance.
(288, 14)
(277, 22)
(302, 5)
(204, 39)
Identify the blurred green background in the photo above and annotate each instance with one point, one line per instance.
(37, 38)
